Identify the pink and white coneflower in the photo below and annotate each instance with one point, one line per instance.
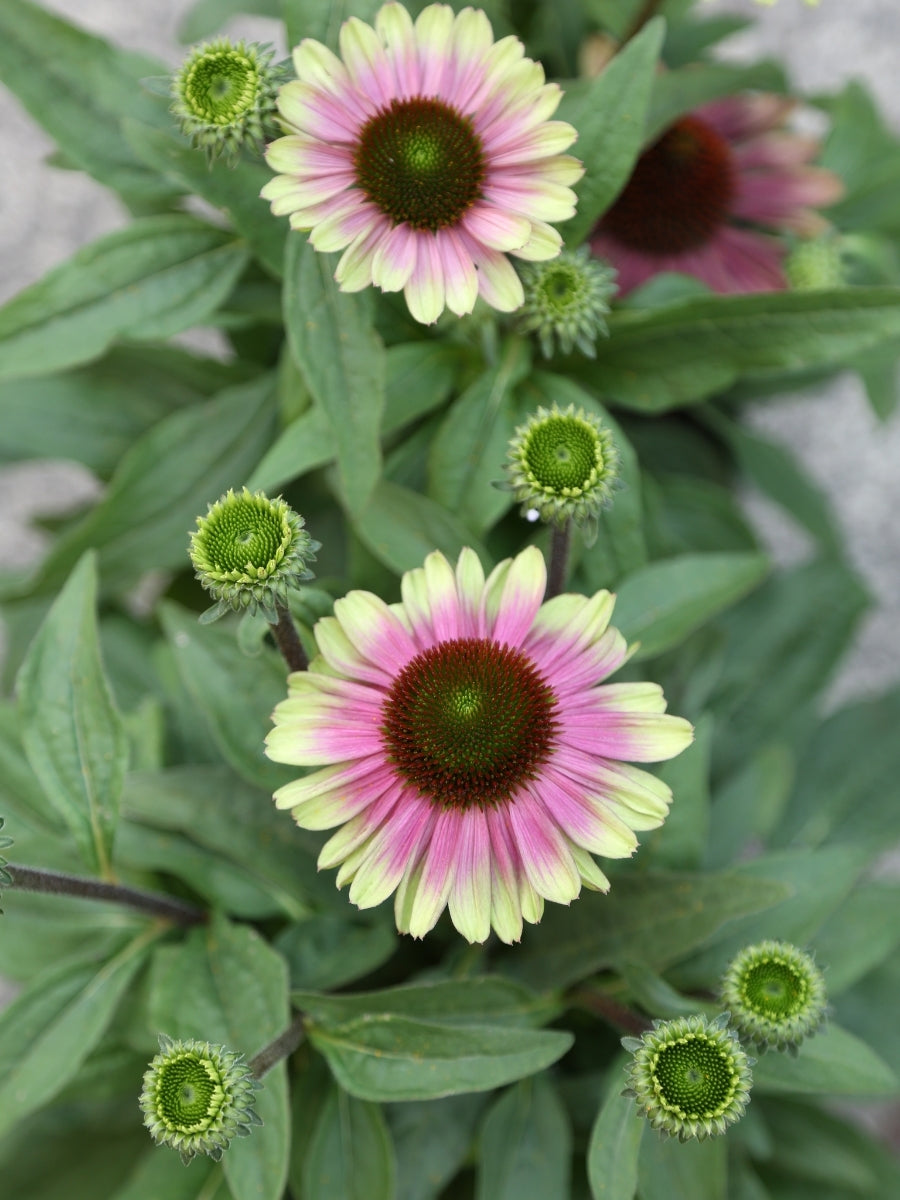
(706, 198)
(426, 154)
(466, 750)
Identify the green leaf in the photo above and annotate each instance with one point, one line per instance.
(846, 779)
(71, 729)
(167, 479)
(237, 990)
(672, 1170)
(210, 805)
(163, 1176)
(832, 1063)
(817, 885)
(350, 1156)
(614, 1148)
(311, 18)
(235, 190)
(815, 1145)
(420, 377)
(307, 443)
(401, 528)
(383, 1056)
(662, 603)
(664, 358)
(793, 629)
(209, 16)
(681, 841)
(78, 87)
(342, 361)
(688, 515)
(652, 918)
(749, 803)
(775, 471)
(331, 950)
(236, 694)
(860, 935)
(432, 1142)
(94, 414)
(878, 372)
(469, 447)
(482, 1000)
(526, 1145)
(154, 279)
(609, 115)
(75, 1005)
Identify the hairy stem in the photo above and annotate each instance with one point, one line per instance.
(560, 543)
(288, 639)
(58, 883)
(285, 1044)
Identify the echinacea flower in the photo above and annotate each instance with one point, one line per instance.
(690, 1077)
(465, 749)
(710, 196)
(427, 155)
(776, 995)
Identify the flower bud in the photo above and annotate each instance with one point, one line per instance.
(776, 995)
(566, 301)
(223, 96)
(249, 551)
(690, 1077)
(197, 1097)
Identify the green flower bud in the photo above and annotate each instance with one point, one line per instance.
(563, 463)
(776, 995)
(224, 94)
(566, 300)
(5, 877)
(197, 1097)
(815, 265)
(249, 551)
(690, 1077)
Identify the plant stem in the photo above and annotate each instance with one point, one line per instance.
(560, 543)
(644, 14)
(58, 883)
(288, 639)
(286, 1043)
(614, 1013)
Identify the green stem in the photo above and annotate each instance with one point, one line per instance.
(58, 883)
(560, 544)
(288, 640)
(285, 1044)
(625, 1019)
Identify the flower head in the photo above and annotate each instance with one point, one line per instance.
(709, 196)
(465, 748)
(689, 1077)
(426, 155)
(566, 300)
(776, 995)
(564, 463)
(197, 1097)
(249, 551)
(224, 96)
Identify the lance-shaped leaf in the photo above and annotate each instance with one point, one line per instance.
(73, 734)
(832, 1062)
(350, 1156)
(614, 1148)
(152, 280)
(526, 1145)
(664, 358)
(342, 361)
(609, 115)
(78, 87)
